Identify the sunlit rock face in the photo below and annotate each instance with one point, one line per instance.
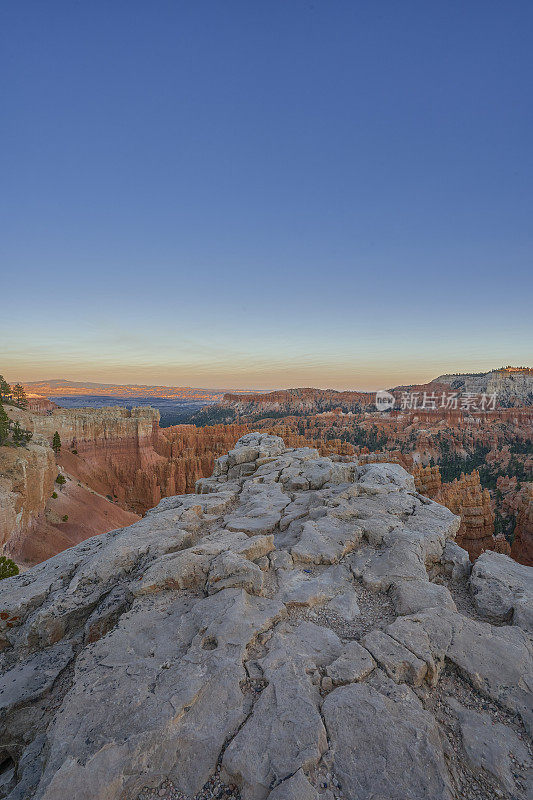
(301, 627)
(466, 497)
(513, 386)
(27, 477)
(124, 453)
(114, 450)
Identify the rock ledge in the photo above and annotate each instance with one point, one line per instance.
(290, 631)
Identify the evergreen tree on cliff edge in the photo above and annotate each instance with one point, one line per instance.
(5, 389)
(56, 443)
(4, 425)
(19, 395)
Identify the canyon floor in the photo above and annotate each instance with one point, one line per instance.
(301, 628)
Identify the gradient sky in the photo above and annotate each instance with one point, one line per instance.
(265, 193)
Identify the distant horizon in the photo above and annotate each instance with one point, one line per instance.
(249, 389)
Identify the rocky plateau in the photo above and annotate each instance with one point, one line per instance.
(301, 628)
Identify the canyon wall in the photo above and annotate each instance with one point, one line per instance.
(512, 385)
(290, 401)
(119, 463)
(27, 477)
(35, 525)
(125, 455)
(113, 450)
(95, 429)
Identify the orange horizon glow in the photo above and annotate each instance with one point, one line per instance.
(215, 381)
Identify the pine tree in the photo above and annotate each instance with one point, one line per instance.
(4, 425)
(61, 480)
(56, 443)
(8, 568)
(5, 389)
(19, 395)
(20, 435)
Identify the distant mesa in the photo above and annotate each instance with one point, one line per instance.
(512, 385)
(65, 388)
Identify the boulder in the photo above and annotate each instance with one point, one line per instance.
(503, 589)
(384, 744)
(490, 748)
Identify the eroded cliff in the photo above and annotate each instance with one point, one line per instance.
(27, 477)
(513, 386)
(300, 628)
(35, 524)
(124, 457)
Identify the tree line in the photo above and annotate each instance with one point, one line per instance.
(12, 395)
(12, 433)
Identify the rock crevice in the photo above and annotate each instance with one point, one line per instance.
(283, 631)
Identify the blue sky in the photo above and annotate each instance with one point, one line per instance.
(265, 194)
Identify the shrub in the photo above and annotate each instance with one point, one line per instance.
(8, 568)
(61, 480)
(65, 518)
(54, 495)
(75, 452)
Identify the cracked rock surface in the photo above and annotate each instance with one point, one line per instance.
(293, 631)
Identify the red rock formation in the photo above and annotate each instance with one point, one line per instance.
(76, 514)
(300, 400)
(464, 496)
(33, 524)
(427, 480)
(190, 453)
(522, 548)
(40, 404)
(113, 450)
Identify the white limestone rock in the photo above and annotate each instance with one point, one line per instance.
(456, 561)
(399, 663)
(408, 597)
(503, 589)
(353, 664)
(491, 747)
(384, 744)
(285, 731)
(183, 643)
(297, 787)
